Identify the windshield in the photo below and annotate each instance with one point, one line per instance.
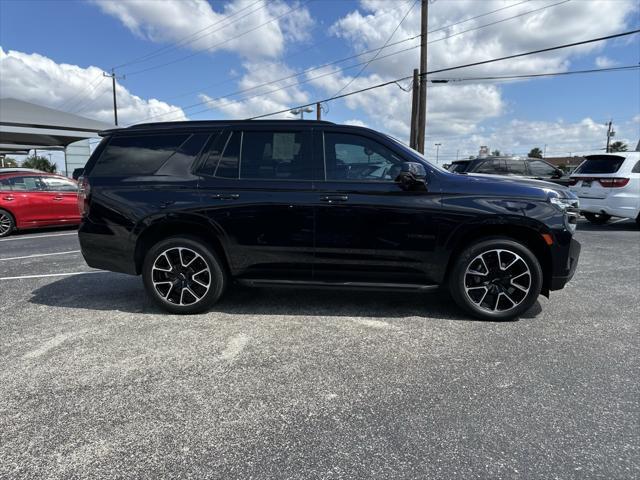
(416, 155)
(600, 164)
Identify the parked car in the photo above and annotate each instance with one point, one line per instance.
(33, 199)
(608, 185)
(194, 206)
(524, 167)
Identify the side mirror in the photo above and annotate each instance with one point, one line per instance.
(412, 175)
(558, 173)
(77, 173)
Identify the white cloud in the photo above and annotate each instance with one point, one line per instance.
(262, 100)
(259, 30)
(605, 62)
(38, 79)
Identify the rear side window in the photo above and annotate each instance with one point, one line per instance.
(601, 164)
(275, 156)
(137, 155)
(56, 184)
(516, 167)
(4, 185)
(492, 166)
(181, 161)
(636, 168)
(458, 167)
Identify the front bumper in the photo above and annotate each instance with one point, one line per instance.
(564, 273)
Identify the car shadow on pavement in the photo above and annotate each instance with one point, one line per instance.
(628, 225)
(124, 293)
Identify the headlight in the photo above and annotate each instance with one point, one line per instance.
(565, 203)
(571, 209)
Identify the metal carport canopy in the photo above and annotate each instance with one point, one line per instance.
(27, 125)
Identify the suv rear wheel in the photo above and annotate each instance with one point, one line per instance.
(182, 275)
(597, 218)
(496, 279)
(7, 223)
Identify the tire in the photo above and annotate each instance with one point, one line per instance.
(495, 292)
(597, 218)
(182, 275)
(7, 223)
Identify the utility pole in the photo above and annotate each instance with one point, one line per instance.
(422, 108)
(318, 111)
(415, 102)
(437, 151)
(610, 134)
(115, 103)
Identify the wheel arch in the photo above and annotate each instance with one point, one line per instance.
(158, 231)
(527, 235)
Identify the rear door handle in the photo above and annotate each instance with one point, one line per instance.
(334, 198)
(57, 199)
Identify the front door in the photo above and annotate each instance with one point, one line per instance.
(368, 229)
(256, 187)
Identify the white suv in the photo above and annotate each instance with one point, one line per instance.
(608, 185)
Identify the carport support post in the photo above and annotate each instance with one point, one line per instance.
(66, 169)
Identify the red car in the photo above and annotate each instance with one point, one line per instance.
(36, 200)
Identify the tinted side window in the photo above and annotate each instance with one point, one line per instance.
(275, 155)
(492, 166)
(227, 167)
(4, 185)
(353, 157)
(181, 161)
(55, 184)
(516, 167)
(636, 167)
(137, 155)
(541, 168)
(27, 184)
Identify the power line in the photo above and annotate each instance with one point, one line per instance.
(92, 85)
(448, 69)
(189, 39)
(213, 47)
(378, 52)
(179, 110)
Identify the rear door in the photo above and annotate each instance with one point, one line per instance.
(541, 170)
(64, 195)
(368, 229)
(256, 187)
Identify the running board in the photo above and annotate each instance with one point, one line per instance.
(259, 282)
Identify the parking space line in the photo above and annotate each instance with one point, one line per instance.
(13, 239)
(52, 275)
(620, 220)
(39, 255)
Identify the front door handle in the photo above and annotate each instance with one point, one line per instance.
(57, 199)
(226, 196)
(8, 198)
(334, 198)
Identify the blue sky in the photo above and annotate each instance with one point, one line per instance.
(53, 53)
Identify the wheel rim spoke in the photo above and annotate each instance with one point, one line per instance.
(174, 273)
(497, 280)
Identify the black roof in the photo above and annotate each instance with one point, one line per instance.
(210, 124)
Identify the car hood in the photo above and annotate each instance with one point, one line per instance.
(507, 186)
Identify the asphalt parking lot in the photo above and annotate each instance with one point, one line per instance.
(96, 382)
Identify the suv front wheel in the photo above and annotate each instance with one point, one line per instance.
(182, 275)
(496, 279)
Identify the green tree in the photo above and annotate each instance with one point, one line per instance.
(618, 147)
(496, 153)
(535, 153)
(40, 163)
(8, 162)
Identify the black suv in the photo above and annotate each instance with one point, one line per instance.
(525, 167)
(194, 206)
